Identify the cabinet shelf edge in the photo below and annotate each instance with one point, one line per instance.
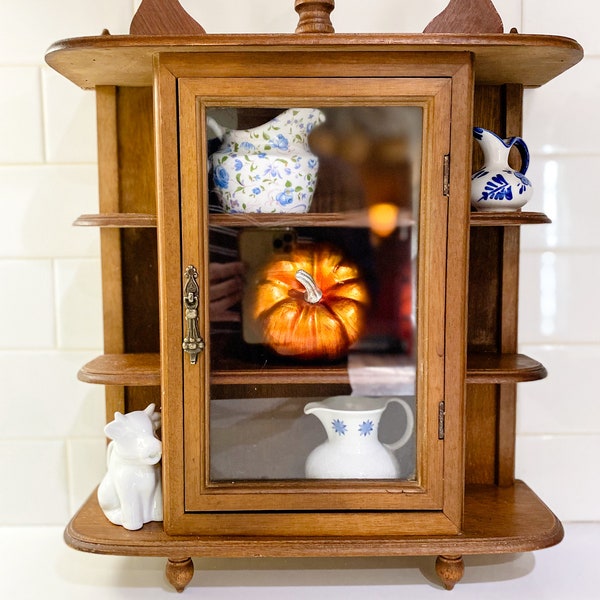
(477, 219)
(144, 370)
(508, 219)
(521, 523)
(122, 369)
(490, 367)
(120, 220)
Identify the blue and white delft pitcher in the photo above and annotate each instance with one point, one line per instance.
(353, 449)
(497, 187)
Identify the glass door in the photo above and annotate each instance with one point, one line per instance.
(314, 218)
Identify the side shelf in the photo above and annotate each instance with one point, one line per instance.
(497, 520)
(116, 220)
(144, 370)
(478, 219)
(507, 219)
(122, 369)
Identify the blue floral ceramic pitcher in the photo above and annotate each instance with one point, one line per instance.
(497, 187)
(269, 168)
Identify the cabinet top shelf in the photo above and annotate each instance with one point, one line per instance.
(127, 60)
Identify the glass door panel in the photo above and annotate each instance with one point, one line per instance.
(332, 193)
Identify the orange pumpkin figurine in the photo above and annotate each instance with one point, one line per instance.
(312, 303)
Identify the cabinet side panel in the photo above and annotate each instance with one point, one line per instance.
(481, 418)
(110, 239)
(510, 302)
(139, 259)
(493, 304)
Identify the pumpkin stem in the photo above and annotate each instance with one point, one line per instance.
(313, 294)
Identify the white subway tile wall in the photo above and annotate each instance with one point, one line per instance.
(51, 442)
(558, 427)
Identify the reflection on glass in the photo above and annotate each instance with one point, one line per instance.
(323, 298)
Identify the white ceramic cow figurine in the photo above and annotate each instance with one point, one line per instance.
(130, 493)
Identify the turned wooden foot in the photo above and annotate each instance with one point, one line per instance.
(450, 570)
(179, 572)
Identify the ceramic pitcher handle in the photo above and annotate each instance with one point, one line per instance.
(521, 146)
(220, 131)
(410, 425)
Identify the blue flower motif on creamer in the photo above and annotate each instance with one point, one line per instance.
(284, 198)
(247, 147)
(497, 188)
(366, 428)
(221, 177)
(237, 165)
(339, 426)
(525, 183)
(280, 142)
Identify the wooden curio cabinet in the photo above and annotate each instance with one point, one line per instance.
(390, 128)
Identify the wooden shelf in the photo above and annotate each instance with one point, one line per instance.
(333, 219)
(144, 370)
(478, 219)
(122, 220)
(503, 368)
(506, 218)
(496, 521)
(122, 369)
(127, 60)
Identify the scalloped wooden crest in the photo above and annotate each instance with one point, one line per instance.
(163, 17)
(168, 17)
(467, 16)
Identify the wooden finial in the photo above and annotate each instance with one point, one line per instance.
(163, 17)
(467, 16)
(314, 16)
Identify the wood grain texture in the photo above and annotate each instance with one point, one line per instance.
(531, 60)
(320, 219)
(116, 220)
(481, 434)
(497, 521)
(467, 16)
(117, 369)
(450, 570)
(163, 17)
(508, 219)
(488, 367)
(314, 16)
(110, 241)
(179, 572)
(122, 369)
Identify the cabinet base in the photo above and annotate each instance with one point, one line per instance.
(496, 521)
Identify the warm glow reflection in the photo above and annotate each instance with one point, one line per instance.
(383, 218)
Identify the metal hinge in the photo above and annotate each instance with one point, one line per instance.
(441, 420)
(446, 184)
